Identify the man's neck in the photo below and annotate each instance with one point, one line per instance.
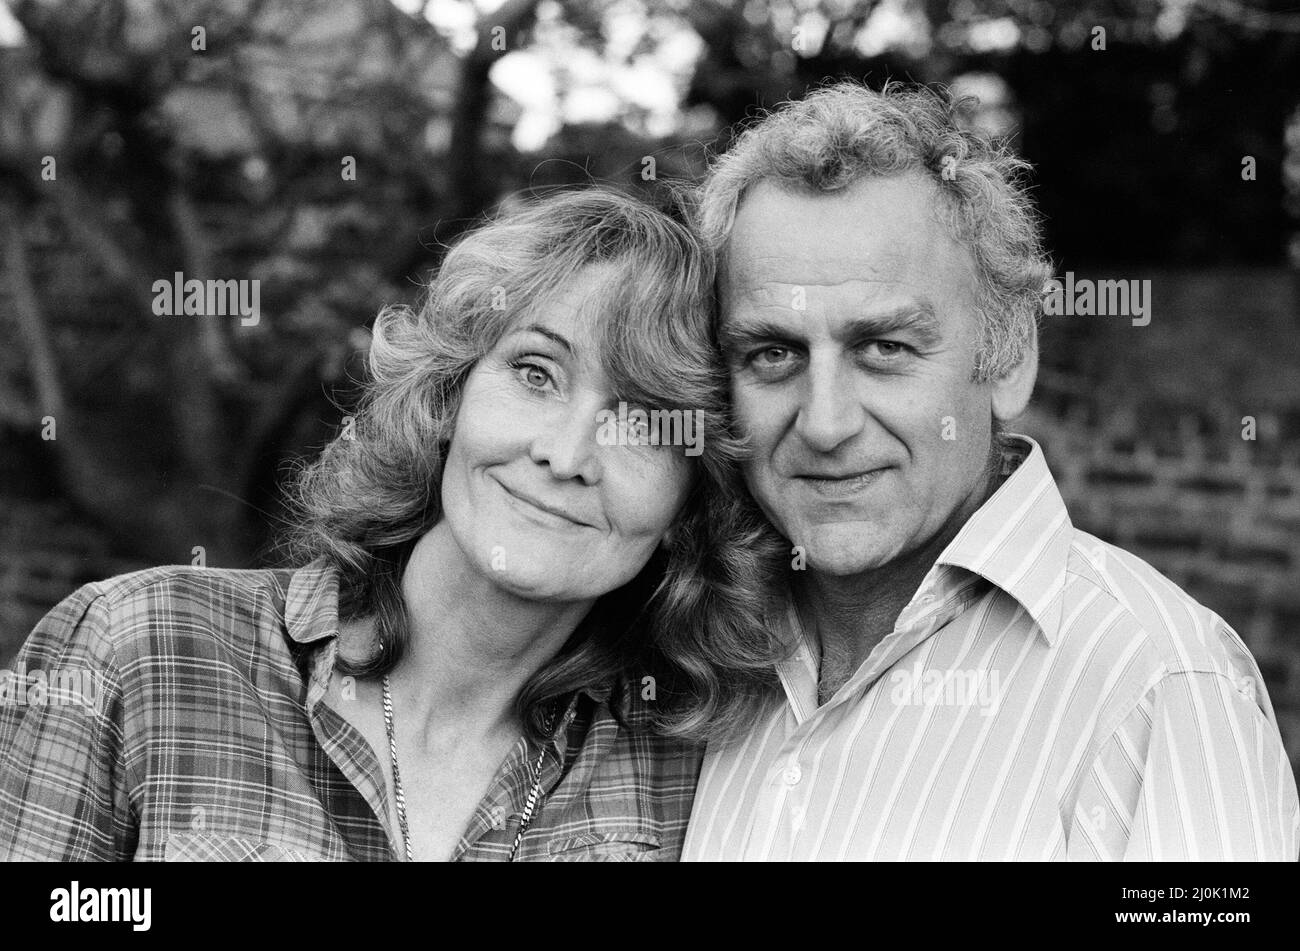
(851, 614)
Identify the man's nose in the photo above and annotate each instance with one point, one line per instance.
(830, 413)
(566, 443)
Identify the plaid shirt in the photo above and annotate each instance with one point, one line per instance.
(177, 714)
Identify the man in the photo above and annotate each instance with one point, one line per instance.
(970, 676)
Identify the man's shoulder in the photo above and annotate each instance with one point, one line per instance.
(1180, 634)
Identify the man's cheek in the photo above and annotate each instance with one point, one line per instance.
(950, 428)
(752, 415)
(762, 437)
(772, 493)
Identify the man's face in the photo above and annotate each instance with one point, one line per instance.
(850, 330)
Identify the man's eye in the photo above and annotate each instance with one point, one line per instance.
(888, 349)
(771, 355)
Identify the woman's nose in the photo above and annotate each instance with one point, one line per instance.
(566, 444)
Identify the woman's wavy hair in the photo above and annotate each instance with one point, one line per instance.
(692, 618)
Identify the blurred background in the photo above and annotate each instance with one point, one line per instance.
(330, 148)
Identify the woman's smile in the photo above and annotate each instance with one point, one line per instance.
(547, 514)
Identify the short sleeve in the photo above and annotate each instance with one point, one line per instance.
(63, 790)
(1196, 772)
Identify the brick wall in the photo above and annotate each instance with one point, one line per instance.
(1227, 530)
(1143, 429)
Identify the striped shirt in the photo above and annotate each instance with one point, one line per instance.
(178, 714)
(1044, 696)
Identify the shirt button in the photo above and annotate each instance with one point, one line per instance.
(792, 775)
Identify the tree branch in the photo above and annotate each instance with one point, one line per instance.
(32, 325)
(96, 241)
(196, 253)
(15, 408)
(465, 156)
(276, 412)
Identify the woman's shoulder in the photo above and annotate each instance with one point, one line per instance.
(629, 707)
(179, 609)
(186, 580)
(629, 789)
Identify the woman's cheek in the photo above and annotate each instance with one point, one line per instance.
(646, 505)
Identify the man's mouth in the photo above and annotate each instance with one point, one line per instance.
(836, 485)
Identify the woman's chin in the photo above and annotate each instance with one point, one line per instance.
(542, 565)
(536, 581)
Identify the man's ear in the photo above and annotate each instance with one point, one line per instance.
(1012, 390)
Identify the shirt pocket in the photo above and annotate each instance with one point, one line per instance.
(610, 845)
(210, 847)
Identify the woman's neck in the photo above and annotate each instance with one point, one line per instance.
(472, 644)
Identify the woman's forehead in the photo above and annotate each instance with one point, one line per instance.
(624, 324)
(576, 308)
(561, 317)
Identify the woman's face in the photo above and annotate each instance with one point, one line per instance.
(531, 497)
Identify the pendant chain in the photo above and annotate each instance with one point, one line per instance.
(530, 805)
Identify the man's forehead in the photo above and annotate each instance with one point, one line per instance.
(880, 231)
(761, 275)
(885, 293)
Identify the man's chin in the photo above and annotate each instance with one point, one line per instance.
(843, 567)
(851, 558)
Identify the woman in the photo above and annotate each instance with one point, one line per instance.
(522, 608)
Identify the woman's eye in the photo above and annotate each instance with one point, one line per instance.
(533, 375)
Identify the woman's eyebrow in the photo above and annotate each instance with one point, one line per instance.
(549, 334)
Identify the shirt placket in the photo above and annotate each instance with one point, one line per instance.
(780, 811)
(783, 805)
(497, 818)
(345, 747)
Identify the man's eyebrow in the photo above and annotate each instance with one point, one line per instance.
(742, 331)
(549, 334)
(918, 319)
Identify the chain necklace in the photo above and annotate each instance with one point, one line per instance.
(530, 805)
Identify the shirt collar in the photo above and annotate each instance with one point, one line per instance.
(601, 693)
(311, 604)
(1020, 538)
